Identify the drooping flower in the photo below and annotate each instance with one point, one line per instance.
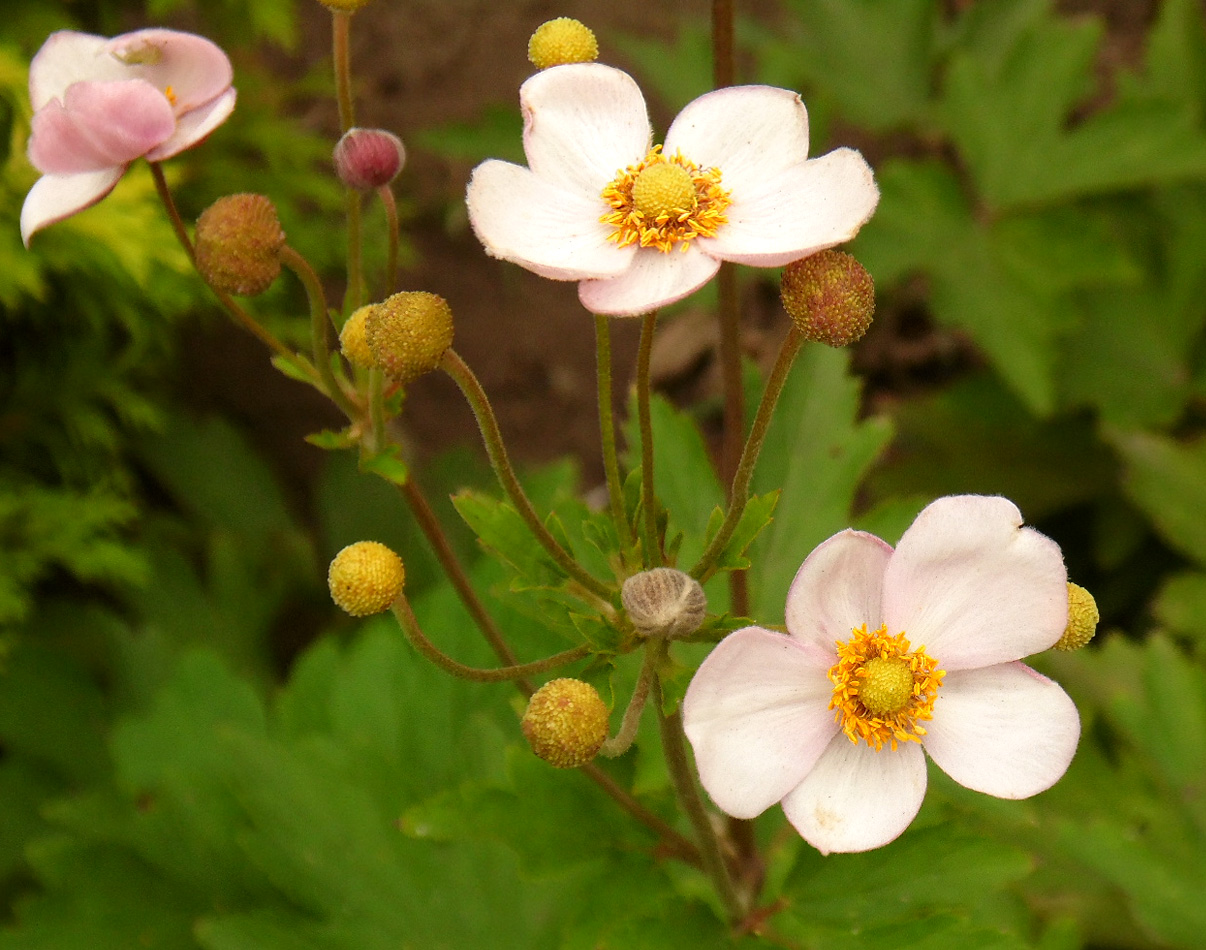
(890, 652)
(101, 103)
(642, 226)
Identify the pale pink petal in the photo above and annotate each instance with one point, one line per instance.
(195, 68)
(195, 125)
(856, 799)
(751, 133)
(797, 211)
(837, 589)
(654, 279)
(583, 124)
(556, 233)
(55, 197)
(757, 714)
(69, 57)
(99, 125)
(973, 586)
(1004, 730)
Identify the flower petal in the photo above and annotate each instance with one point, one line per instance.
(1003, 730)
(55, 197)
(193, 67)
(69, 57)
(856, 799)
(795, 212)
(583, 124)
(194, 126)
(523, 218)
(837, 589)
(757, 715)
(973, 586)
(654, 279)
(99, 125)
(750, 133)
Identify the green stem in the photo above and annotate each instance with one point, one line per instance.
(241, 316)
(681, 847)
(469, 385)
(318, 327)
(655, 651)
(410, 626)
(739, 491)
(341, 30)
(607, 429)
(354, 295)
(429, 524)
(687, 792)
(376, 401)
(648, 497)
(386, 194)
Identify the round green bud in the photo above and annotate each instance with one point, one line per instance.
(565, 723)
(409, 333)
(560, 42)
(829, 296)
(366, 578)
(238, 244)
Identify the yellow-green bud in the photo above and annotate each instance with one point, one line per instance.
(561, 41)
(829, 296)
(1082, 619)
(238, 245)
(664, 602)
(352, 341)
(409, 333)
(565, 723)
(366, 578)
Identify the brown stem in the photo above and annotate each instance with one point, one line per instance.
(680, 846)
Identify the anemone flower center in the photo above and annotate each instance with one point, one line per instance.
(882, 688)
(664, 202)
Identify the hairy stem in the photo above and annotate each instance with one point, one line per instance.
(318, 326)
(653, 551)
(607, 429)
(386, 194)
(463, 376)
(655, 651)
(739, 491)
(410, 626)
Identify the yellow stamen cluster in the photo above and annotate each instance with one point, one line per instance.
(663, 202)
(1082, 619)
(560, 42)
(170, 93)
(882, 688)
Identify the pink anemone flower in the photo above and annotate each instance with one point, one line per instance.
(642, 227)
(889, 652)
(101, 103)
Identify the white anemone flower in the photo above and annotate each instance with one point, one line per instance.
(643, 226)
(831, 719)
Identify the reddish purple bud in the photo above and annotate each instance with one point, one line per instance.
(366, 159)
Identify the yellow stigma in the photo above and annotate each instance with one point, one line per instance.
(352, 340)
(663, 202)
(565, 723)
(560, 42)
(883, 689)
(1082, 619)
(366, 578)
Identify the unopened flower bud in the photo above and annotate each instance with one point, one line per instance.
(829, 296)
(352, 341)
(366, 159)
(664, 602)
(409, 333)
(565, 723)
(1082, 619)
(238, 244)
(561, 41)
(365, 578)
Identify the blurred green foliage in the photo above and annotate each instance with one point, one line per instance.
(163, 786)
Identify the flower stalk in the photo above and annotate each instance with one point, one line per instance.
(648, 496)
(607, 431)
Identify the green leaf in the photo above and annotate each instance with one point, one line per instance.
(331, 440)
(754, 518)
(817, 452)
(1181, 605)
(388, 463)
(500, 529)
(1167, 479)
